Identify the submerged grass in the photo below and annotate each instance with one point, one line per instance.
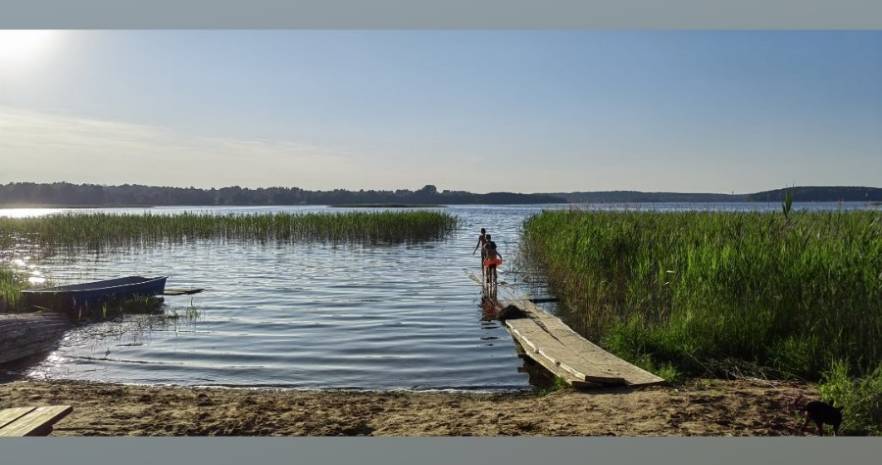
(699, 292)
(101, 229)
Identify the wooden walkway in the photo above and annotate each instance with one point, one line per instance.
(554, 345)
(31, 421)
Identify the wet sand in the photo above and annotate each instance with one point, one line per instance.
(700, 407)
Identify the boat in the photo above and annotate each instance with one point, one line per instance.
(94, 293)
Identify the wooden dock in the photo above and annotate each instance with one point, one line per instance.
(554, 345)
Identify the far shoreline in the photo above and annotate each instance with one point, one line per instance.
(396, 205)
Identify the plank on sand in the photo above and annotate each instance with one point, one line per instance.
(9, 415)
(545, 347)
(36, 422)
(526, 337)
(632, 374)
(578, 355)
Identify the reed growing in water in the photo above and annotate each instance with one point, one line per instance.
(95, 231)
(103, 229)
(10, 288)
(699, 292)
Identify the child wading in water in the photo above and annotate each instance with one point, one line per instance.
(482, 241)
(492, 259)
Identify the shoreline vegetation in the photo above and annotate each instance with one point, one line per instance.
(792, 296)
(68, 195)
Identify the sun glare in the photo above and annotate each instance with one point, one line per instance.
(22, 47)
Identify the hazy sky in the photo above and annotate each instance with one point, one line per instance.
(527, 111)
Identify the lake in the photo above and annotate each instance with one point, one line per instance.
(310, 315)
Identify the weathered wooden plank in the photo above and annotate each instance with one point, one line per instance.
(29, 350)
(575, 354)
(26, 334)
(38, 422)
(568, 360)
(176, 291)
(531, 349)
(9, 415)
(29, 330)
(594, 354)
(631, 374)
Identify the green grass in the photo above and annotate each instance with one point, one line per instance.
(558, 384)
(713, 292)
(10, 288)
(102, 229)
(860, 398)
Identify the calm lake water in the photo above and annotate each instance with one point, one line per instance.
(310, 315)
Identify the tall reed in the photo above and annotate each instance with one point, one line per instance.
(103, 229)
(705, 290)
(10, 287)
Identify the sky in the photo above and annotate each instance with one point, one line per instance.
(524, 111)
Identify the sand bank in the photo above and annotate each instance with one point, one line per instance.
(701, 407)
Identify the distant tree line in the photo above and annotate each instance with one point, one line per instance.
(821, 194)
(639, 197)
(800, 194)
(67, 194)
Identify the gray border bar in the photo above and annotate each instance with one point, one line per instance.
(488, 14)
(439, 451)
(481, 14)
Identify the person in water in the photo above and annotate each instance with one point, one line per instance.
(492, 259)
(482, 241)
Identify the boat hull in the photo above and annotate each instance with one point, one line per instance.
(90, 295)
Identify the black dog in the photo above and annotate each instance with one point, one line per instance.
(822, 413)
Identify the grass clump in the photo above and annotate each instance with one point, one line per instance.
(557, 384)
(10, 289)
(700, 292)
(103, 229)
(860, 398)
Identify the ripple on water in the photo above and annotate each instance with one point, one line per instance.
(304, 316)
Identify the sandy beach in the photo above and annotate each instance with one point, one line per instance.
(700, 407)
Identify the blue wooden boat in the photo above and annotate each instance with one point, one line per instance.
(94, 293)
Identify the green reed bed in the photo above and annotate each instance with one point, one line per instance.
(700, 292)
(102, 229)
